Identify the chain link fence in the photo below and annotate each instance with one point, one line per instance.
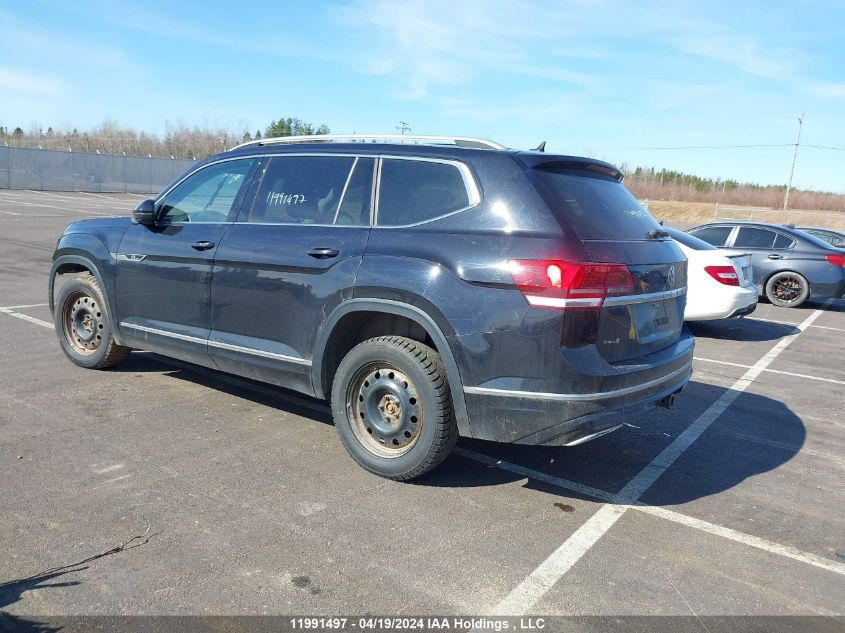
(799, 217)
(52, 170)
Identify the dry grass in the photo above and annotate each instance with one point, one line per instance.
(701, 212)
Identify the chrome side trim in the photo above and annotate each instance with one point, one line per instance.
(219, 344)
(579, 397)
(152, 330)
(260, 352)
(652, 296)
(130, 257)
(536, 301)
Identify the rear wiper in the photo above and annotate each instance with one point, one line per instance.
(655, 234)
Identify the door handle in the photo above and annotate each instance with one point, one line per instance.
(203, 245)
(323, 253)
(774, 256)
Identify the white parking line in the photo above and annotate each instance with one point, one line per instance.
(746, 539)
(669, 515)
(772, 371)
(26, 317)
(29, 305)
(527, 593)
(807, 376)
(823, 327)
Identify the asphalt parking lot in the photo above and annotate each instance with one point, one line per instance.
(245, 502)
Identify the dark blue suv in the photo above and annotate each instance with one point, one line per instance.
(429, 287)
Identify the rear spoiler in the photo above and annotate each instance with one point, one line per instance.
(571, 163)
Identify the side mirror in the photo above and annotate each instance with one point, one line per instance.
(145, 212)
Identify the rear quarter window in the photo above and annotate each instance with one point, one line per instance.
(595, 206)
(782, 241)
(750, 237)
(715, 235)
(414, 191)
(690, 241)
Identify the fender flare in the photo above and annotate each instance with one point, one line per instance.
(413, 313)
(98, 275)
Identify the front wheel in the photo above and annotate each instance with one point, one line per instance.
(392, 407)
(787, 289)
(82, 324)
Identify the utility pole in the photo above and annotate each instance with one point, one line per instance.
(792, 169)
(403, 127)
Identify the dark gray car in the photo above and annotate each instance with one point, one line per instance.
(789, 265)
(834, 238)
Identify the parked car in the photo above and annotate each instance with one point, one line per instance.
(789, 265)
(834, 238)
(429, 287)
(719, 286)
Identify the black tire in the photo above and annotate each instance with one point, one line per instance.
(82, 324)
(787, 289)
(392, 407)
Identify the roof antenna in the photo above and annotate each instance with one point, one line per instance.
(540, 148)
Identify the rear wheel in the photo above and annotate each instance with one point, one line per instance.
(82, 324)
(392, 407)
(787, 289)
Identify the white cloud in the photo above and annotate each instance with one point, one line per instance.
(28, 82)
(828, 89)
(425, 43)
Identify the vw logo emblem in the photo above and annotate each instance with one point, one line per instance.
(671, 277)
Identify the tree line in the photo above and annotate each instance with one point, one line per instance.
(196, 142)
(178, 141)
(667, 184)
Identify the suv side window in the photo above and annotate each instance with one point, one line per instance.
(208, 194)
(356, 204)
(750, 237)
(715, 235)
(782, 241)
(413, 191)
(302, 189)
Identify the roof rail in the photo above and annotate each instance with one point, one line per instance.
(458, 141)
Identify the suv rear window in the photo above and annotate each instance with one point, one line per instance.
(413, 191)
(596, 207)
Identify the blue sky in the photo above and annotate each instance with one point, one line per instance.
(601, 78)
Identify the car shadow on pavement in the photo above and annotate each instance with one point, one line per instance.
(754, 435)
(741, 330)
(258, 392)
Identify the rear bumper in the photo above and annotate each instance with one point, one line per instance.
(530, 417)
(741, 312)
(829, 290)
(723, 305)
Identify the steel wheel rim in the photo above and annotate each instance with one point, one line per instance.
(83, 323)
(787, 289)
(384, 410)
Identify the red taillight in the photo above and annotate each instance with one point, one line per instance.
(836, 260)
(569, 285)
(723, 274)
